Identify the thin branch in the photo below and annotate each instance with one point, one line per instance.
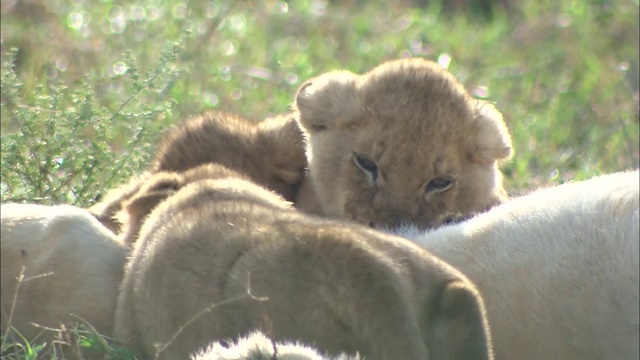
(161, 348)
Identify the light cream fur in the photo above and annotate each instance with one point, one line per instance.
(434, 148)
(84, 262)
(557, 268)
(256, 346)
(338, 286)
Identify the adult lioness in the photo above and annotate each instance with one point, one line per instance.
(72, 266)
(404, 142)
(558, 269)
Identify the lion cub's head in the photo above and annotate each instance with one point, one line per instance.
(404, 142)
(270, 151)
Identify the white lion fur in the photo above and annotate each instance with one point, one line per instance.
(72, 265)
(557, 268)
(256, 346)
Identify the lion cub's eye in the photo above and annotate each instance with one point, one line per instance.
(439, 184)
(367, 165)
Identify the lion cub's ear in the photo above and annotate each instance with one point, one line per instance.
(282, 139)
(162, 186)
(105, 210)
(459, 329)
(139, 206)
(327, 101)
(491, 138)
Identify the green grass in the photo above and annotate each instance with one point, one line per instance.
(92, 84)
(74, 340)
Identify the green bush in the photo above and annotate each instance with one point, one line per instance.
(60, 144)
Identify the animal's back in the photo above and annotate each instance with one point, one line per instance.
(558, 268)
(72, 262)
(247, 262)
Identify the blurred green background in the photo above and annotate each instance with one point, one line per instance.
(92, 84)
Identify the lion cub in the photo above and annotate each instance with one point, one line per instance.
(339, 286)
(156, 188)
(271, 152)
(404, 142)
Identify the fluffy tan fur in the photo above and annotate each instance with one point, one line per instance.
(106, 209)
(271, 152)
(558, 269)
(403, 142)
(81, 264)
(339, 286)
(268, 151)
(155, 189)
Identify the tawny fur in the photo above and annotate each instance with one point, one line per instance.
(256, 346)
(84, 262)
(271, 152)
(557, 268)
(339, 286)
(155, 189)
(106, 209)
(417, 128)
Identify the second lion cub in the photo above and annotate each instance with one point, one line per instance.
(270, 152)
(404, 142)
(340, 287)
